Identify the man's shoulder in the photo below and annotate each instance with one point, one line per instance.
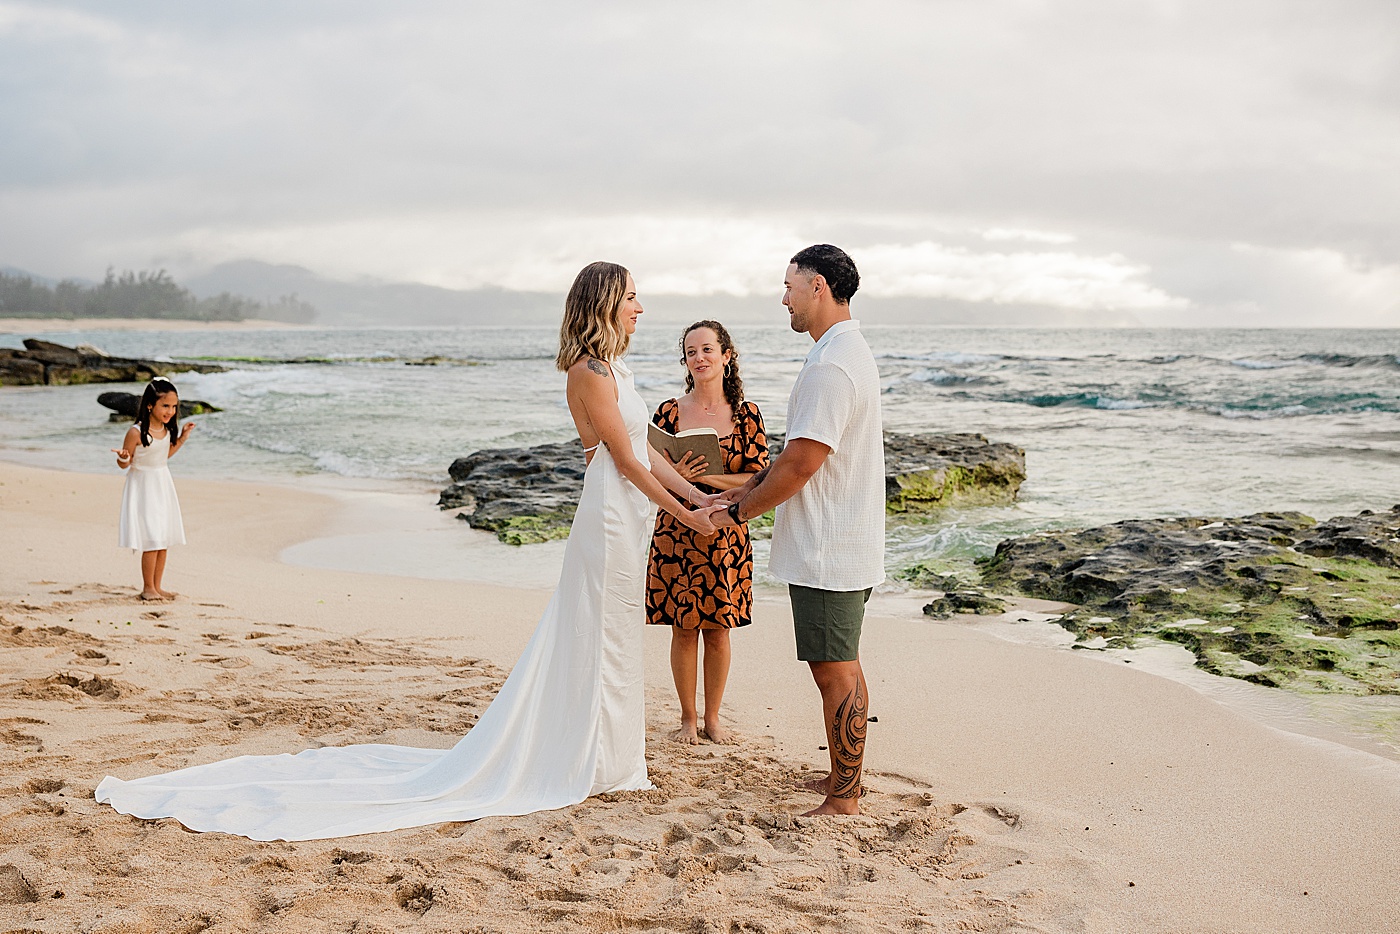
(848, 352)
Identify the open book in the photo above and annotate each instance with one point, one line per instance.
(702, 441)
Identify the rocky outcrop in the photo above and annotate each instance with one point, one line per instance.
(529, 494)
(956, 602)
(925, 472)
(928, 471)
(524, 495)
(43, 363)
(124, 406)
(1273, 598)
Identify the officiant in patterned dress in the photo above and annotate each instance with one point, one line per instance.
(703, 587)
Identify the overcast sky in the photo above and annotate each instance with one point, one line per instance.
(1212, 162)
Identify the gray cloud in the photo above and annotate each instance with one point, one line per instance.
(1239, 157)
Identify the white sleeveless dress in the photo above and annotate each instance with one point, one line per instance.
(150, 517)
(568, 723)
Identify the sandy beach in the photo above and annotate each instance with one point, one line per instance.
(1011, 787)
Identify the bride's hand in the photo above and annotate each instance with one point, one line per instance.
(699, 521)
(703, 500)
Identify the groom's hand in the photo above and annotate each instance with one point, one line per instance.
(719, 515)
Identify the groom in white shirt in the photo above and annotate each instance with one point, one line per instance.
(828, 486)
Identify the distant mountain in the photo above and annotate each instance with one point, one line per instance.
(373, 303)
(43, 280)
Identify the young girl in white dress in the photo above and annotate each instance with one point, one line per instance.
(150, 518)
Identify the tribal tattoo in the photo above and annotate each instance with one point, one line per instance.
(848, 743)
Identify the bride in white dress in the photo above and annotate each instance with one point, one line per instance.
(569, 721)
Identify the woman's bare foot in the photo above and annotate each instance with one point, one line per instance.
(152, 596)
(168, 594)
(686, 734)
(716, 732)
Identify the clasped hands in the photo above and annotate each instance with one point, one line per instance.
(710, 511)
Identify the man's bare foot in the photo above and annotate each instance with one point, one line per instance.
(817, 786)
(835, 806)
(716, 732)
(152, 596)
(686, 734)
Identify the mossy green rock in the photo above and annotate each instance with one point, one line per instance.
(927, 472)
(44, 363)
(524, 495)
(928, 576)
(960, 602)
(537, 488)
(1273, 598)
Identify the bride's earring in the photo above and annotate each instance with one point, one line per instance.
(726, 371)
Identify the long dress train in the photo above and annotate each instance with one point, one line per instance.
(568, 723)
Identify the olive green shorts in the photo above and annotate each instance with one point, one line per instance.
(827, 622)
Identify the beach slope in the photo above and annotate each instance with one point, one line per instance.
(1012, 788)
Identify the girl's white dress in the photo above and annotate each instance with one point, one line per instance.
(568, 723)
(150, 519)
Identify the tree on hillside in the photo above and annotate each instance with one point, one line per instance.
(137, 295)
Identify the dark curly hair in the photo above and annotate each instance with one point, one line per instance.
(733, 384)
(832, 263)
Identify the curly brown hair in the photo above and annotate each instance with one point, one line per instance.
(733, 383)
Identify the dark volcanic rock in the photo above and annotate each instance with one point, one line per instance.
(124, 406)
(1273, 597)
(928, 471)
(928, 576)
(44, 363)
(964, 601)
(1368, 535)
(528, 495)
(524, 495)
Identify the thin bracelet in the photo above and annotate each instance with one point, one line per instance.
(688, 500)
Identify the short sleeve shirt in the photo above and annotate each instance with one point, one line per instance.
(831, 534)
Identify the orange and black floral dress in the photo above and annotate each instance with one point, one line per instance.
(706, 583)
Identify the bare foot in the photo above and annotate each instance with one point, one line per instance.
(817, 786)
(716, 732)
(686, 734)
(153, 596)
(168, 594)
(835, 806)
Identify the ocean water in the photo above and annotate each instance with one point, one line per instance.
(1115, 424)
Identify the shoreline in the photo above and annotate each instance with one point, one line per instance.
(63, 325)
(393, 528)
(1067, 780)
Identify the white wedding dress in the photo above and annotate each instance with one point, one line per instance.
(568, 723)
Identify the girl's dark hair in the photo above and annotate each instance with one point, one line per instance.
(154, 390)
(733, 384)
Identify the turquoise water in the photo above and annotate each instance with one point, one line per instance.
(1115, 424)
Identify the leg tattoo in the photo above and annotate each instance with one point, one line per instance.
(848, 744)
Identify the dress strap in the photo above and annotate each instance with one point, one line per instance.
(592, 449)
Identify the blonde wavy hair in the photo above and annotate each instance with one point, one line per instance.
(591, 327)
